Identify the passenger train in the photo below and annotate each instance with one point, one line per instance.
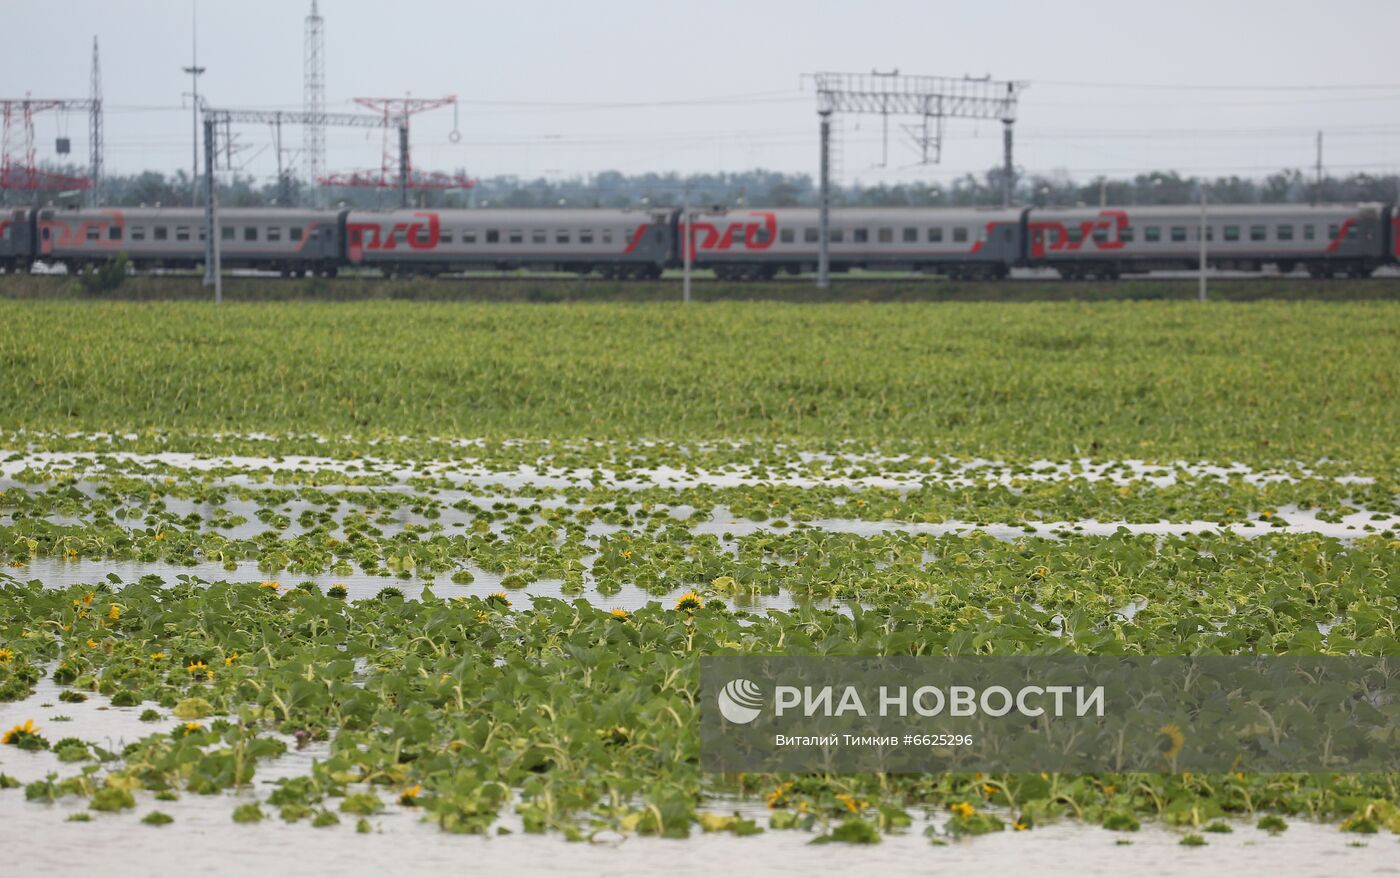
(754, 244)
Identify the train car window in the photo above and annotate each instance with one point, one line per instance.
(1352, 233)
(445, 236)
(762, 236)
(539, 236)
(138, 233)
(227, 233)
(294, 234)
(838, 236)
(468, 236)
(1152, 234)
(585, 236)
(1127, 234)
(1076, 234)
(935, 235)
(911, 236)
(960, 234)
(607, 236)
(860, 236)
(787, 236)
(1101, 236)
(562, 237)
(886, 236)
(1178, 233)
(161, 233)
(493, 236)
(517, 236)
(274, 233)
(1332, 231)
(182, 233)
(92, 233)
(1284, 233)
(811, 236)
(1309, 232)
(1258, 233)
(250, 233)
(114, 233)
(203, 234)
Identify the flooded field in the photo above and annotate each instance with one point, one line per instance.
(582, 546)
(340, 589)
(44, 837)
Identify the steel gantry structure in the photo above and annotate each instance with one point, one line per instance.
(278, 118)
(213, 119)
(18, 167)
(396, 113)
(931, 99)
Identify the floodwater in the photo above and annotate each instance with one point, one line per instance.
(37, 839)
(61, 573)
(204, 840)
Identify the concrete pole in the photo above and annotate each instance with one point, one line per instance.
(686, 221)
(1201, 293)
(403, 163)
(824, 256)
(1008, 173)
(211, 235)
(194, 70)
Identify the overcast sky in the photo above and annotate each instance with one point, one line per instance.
(558, 88)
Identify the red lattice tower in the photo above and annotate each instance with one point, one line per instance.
(18, 169)
(396, 113)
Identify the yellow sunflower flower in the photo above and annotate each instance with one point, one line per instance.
(25, 728)
(1175, 739)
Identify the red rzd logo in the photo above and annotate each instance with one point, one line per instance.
(756, 235)
(419, 235)
(1054, 236)
(93, 233)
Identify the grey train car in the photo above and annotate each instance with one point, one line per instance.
(615, 243)
(16, 240)
(287, 240)
(1327, 240)
(757, 244)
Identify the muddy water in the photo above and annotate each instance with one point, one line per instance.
(204, 841)
(60, 573)
(37, 840)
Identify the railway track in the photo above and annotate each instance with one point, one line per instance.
(1017, 277)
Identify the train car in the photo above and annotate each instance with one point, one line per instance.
(755, 244)
(1327, 240)
(16, 239)
(286, 240)
(614, 243)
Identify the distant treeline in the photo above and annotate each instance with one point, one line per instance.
(760, 188)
